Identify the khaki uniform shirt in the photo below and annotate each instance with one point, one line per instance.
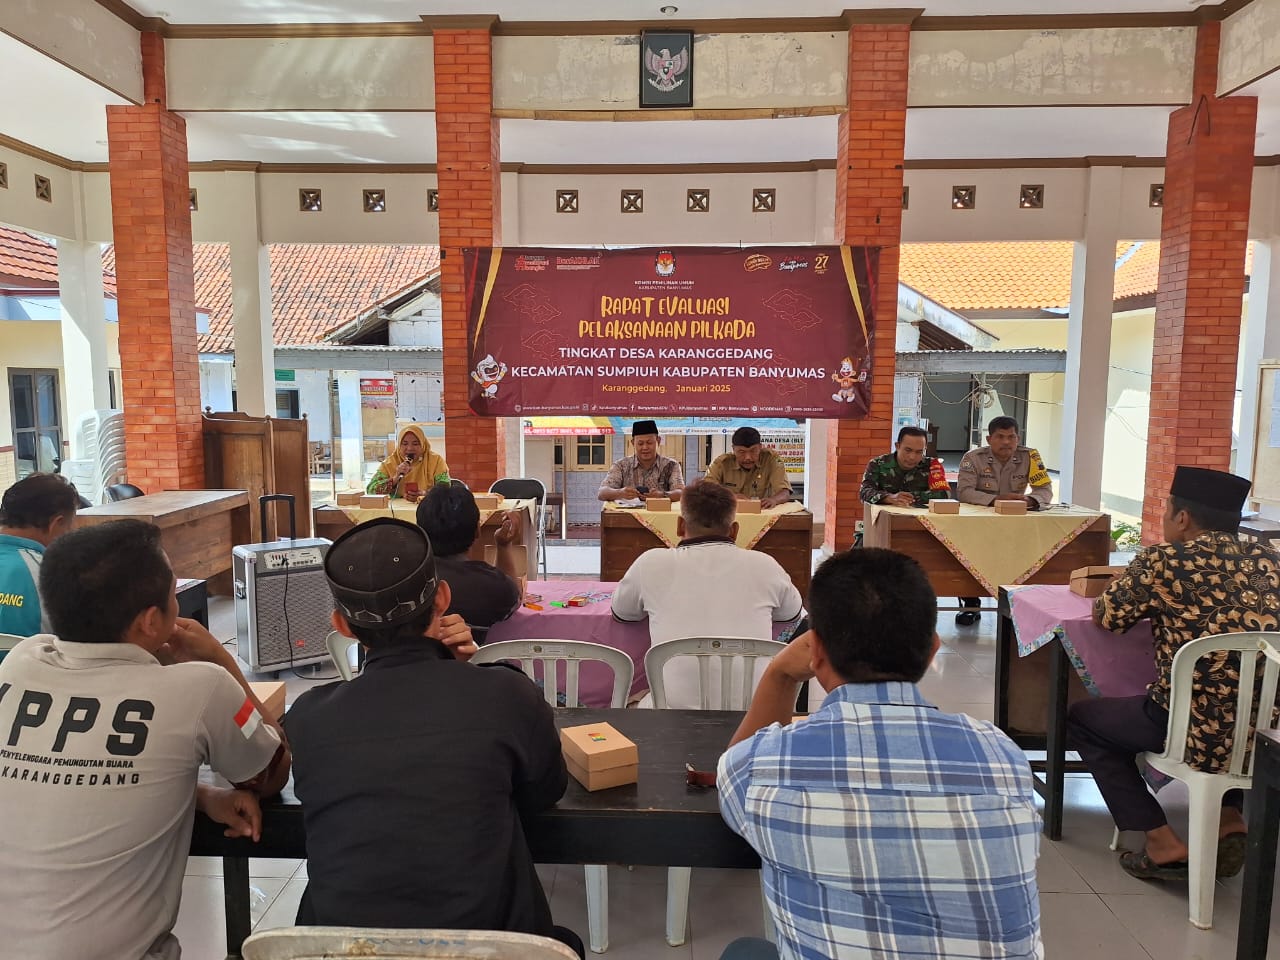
(982, 477)
(765, 479)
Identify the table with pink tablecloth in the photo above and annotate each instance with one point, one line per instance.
(1109, 664)
(593, 623)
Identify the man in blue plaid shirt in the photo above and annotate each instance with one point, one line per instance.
(886, 828)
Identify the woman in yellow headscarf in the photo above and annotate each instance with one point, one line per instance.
(412, 469)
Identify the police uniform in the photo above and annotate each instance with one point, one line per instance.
(982, 477)
(885, 476)
(765, 479)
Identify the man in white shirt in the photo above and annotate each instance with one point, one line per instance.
(106, 726)
(707, 586)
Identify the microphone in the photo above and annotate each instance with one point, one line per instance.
(396, 483)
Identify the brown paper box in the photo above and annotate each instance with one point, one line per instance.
(519, 551)
(658, 504)
(271, 693)
(488, 501)
(1093, 581)
(373, 501)
(349, 498)
(603, 779)
(944, 506)
(597, 746)
(1011, 508)
(748, 506)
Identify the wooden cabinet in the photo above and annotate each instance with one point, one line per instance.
(261, 455)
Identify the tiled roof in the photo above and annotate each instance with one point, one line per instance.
(26, 257)
(1013, 276)
(314, 287)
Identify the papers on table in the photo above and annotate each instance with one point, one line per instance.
(635, 503)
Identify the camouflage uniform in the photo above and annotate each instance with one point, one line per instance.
(926, 481)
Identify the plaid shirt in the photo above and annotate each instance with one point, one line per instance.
(889, 829)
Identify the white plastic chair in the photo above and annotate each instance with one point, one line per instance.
(734, 654)
(340, 650)
(318, 943)
(1207, 789)
(548, 654)
(529, 488)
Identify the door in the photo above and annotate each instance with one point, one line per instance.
(37, 424)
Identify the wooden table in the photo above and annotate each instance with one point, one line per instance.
(789, 541)
(331, 522)
(659, 821)
(1260, 861)
(198, 529)
(904, 533)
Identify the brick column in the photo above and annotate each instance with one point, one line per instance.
(869, 213)
(151, 220)
(1203, 235)
(468, 176)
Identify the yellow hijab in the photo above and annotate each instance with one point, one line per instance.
(426, 471)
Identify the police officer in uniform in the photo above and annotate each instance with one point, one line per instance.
(1002, 470)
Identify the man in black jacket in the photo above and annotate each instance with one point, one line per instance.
(413, 776)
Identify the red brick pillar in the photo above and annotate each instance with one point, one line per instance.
(468, 176)
(869, 213)
(1203, 235)
(151, 220)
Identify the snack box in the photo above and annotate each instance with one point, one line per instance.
(748, 506)
(488, 501)
(944, 506)
(519, 551)
(350, 498)
(271, 693)
(373, 501)
(598, 756)
(1011, 508)
(1092, 581)
(658, 504)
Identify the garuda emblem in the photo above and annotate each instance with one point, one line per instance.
(666, 69)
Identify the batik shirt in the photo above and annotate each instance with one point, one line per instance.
(926, 481)
(1213, 583)
(663, 476)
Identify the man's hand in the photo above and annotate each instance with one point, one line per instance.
(191, 642)
(793, 663)
(628, 493)
(453, 632)
(901, 499)
(238, 810)
(773, 501)
(505, 535)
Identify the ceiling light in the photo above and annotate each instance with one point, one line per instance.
(669, 10)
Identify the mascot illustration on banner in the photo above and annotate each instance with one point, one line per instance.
(846, 379)
(489, 373)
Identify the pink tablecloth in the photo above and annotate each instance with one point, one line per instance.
(1109, 664)
(593, 623)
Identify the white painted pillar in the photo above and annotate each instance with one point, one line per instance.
(1084, 407)
(84, 333)
(250, 299)
(350, 428)
(1261, 342)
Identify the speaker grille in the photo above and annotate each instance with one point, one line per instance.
(310, 605)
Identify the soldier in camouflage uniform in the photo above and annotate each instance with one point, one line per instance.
(906, 477)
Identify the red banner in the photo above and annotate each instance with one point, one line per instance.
(768, 331)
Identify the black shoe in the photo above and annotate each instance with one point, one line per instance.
(967, 618)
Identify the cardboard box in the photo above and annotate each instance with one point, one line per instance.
(271, 693)
(519, 551)
(1093, 581)
(1011, 508)
(350, 498)
(658, 504)
(748, 506)
(944, 506)
(488, 501)
(598, 756)
(373, 501)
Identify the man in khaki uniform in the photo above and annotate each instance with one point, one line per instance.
(751, 471)
(1002, 470)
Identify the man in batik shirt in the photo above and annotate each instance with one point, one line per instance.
(646, 473)
(1202, 580)
(906, 477)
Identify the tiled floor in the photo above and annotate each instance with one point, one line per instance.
(1091, 909)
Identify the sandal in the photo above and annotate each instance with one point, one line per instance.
(1144, 868)
(1231, 854)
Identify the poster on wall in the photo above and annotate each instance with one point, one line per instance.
(673, 331)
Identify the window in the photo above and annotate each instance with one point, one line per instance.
(591, 451)
(37, 431)
(287, 404)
